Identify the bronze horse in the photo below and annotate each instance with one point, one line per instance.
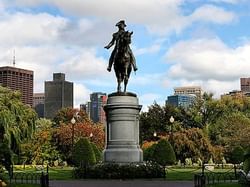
(122, 60)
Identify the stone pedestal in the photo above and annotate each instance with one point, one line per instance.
(122, 130)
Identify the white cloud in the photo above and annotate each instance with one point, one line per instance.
(30, 29)
(147, 50)
(149, 98)
(213, 14)
(85, 64)
(67, 42)
(158, 16)
(210, 62)
(81, 94)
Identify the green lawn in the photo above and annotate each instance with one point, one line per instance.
(225, 185)
(173, 174)
(181, 174)
(65, 173)
(60, 173)
(25, 185)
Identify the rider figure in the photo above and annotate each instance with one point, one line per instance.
(116, 36)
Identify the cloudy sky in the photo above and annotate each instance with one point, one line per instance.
(176, 43)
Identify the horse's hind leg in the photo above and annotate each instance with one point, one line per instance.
(119, 84)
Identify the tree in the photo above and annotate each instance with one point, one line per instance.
(40, 148)
(63, 136)
(204, 111)
(230, 131)
(83, 153)
(185, 145)
(163, 153)
(246, 165)
(156, 120)
(17, 123)
(236, 157)
(65, 115)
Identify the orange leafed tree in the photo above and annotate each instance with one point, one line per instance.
(67, 134)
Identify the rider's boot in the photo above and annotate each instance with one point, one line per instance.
(109, 66)
(134, 67)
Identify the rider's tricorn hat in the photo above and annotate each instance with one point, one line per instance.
(122, 22)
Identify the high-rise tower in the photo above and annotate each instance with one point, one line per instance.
(97, 100)
(58, 94)
(18, 79)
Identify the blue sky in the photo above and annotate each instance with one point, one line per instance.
(176, 43)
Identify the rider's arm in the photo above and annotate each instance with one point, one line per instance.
(110, 43)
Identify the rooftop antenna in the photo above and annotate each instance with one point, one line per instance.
(14, 58)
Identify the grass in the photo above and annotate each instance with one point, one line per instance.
(181, 174)
(225, 185)
(60, 173)
(65, 173)
(55, 173)
(25, 185)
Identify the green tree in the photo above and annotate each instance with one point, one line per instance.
(236, 157)
(83, 153)
(246, 165)
(156, 119)
(17, 123)
(230, 131)
(191, 143)
(204, 111)
(163, 153)
(40, 148)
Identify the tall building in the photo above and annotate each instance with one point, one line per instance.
(245, 84)
(18, 79)
(97, 100)
(58, 94)
(183, 100)
(38, 104)
(195, 90)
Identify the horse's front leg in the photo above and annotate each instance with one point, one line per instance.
(119, 80)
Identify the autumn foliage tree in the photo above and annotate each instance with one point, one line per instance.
(82, 128)
(65, 115)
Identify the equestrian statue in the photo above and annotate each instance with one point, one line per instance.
(122, 56)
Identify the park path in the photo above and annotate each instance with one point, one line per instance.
(121, 183)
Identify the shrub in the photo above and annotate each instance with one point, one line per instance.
(164, 153)
(148, 153)
(83, 153)
(121, 171)
(98, 153)
(237, 155)
(246, 166)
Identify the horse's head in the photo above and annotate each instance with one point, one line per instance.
(124, 41)
(127, 37)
